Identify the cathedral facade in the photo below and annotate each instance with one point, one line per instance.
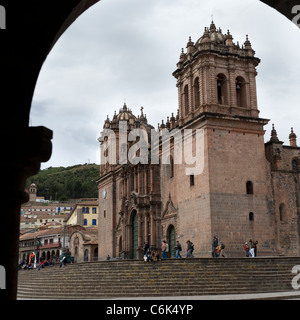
(245, 188)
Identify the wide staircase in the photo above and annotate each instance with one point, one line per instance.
(171, 277)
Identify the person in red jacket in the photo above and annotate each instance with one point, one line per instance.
(247, 248)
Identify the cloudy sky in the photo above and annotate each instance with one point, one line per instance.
(126, 50)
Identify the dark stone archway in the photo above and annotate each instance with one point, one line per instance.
(32, 28)
(283, 6)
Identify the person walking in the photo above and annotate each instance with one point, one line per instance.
(163, 250)
(192, 250)
(222, 247)
(188, 249)
(255, 247)
(251, 248)
(167, 249)
(215, 244)
(178, 249)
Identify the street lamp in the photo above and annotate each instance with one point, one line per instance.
(65, 252)
(64, 238)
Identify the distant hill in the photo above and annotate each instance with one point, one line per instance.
(60, 183)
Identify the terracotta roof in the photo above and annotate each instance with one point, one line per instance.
(88, 203)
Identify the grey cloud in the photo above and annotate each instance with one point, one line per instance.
(128, 50)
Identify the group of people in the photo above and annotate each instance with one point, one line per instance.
(251, 248)
(150, 255)
(153, 255)
(29, 265)
(218, 248)
(31, 262)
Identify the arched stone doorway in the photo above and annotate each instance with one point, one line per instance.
(86, 255)
(134, 235)
(96, 254)
(171, 238)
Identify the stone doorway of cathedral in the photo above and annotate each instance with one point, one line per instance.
(134, 235)
(171, 240)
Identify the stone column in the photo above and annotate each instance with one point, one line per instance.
(232, 86)
(140, 234)
(152, 227)
(129, 181)
(23, 151)
(146, 180)
(146, 228)
(151, 179)
(140, 180)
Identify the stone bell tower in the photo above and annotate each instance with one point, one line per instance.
(32, 192)
(217, 76)
(216, 81)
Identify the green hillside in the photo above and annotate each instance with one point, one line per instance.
(60, 183)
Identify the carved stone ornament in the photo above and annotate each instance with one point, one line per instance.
(169, 208)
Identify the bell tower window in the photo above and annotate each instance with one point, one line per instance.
(240, 87)
(249, 187)
(221, 89)
(186, 100)
(294, 165)
(197, 93)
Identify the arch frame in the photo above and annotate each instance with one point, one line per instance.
(20, 62)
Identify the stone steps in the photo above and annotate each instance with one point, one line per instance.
(171, 277)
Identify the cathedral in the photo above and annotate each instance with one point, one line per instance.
(246, 188)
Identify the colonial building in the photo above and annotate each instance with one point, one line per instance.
(46, 243)
(245, 188)
(84, 213)
(129, 204)
(84, 244)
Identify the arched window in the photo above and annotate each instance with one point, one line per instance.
(221, 89)
(196, 93)
(186, 100)
(249, 187)
(241, 100)
(282, 212)
(171, 171)
(294, 165)
(83, 209)
(87, 210)
(123, 154)
(84, 222)
(192, 180)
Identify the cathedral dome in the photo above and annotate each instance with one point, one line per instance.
(125, 114)
(212, 35)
